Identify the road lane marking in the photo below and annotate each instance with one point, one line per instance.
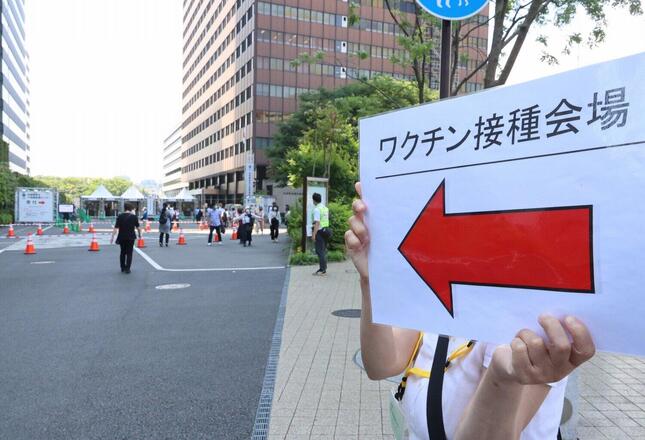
(157, 266)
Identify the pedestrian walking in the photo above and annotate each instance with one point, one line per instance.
(321, 232)
(144, 215)
(259, 217)
(164, 225)
(214, 217)
(199, 215)
(125, 226)
(241, 226)
(274, 222)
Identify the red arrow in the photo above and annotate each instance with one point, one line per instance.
(544, 248)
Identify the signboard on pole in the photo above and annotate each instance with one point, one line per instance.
(452, 9)
(249, 172)
(509, 203)
(35, 205)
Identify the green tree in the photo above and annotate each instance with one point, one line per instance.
(511, 22)
(70, 189)
(9, 181)
(328, 149)
(291, 154)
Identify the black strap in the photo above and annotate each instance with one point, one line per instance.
(434, 410)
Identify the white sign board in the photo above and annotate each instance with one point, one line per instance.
(35, 205)
(66, 209)
(319, 186)
(487, 210)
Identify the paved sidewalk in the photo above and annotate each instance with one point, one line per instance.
(321, 393)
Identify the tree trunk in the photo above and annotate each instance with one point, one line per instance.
(497, 44)
(522, 32)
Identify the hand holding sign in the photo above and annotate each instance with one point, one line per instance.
(357, 238)
(529, 359)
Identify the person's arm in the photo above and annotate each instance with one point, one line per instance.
(515, 384)
(385, 350)
(115, 230)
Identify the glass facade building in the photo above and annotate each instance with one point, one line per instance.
(15, 85)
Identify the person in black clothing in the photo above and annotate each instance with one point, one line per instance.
(125, 225)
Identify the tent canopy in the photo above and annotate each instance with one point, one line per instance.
(185, 196)
(132, 193)
(100, 193)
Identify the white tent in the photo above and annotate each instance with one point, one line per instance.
(132, 193)
(100, 193)
(185, 196)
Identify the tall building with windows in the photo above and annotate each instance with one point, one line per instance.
(15, 85)
(239, 81)
(171, 180)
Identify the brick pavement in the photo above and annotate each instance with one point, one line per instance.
(320, 392)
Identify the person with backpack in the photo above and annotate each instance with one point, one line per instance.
(164, 225)
(321, 232)
(125, 225)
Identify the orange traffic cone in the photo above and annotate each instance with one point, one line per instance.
(94, 245)
(234, 235)
(40, 230)
(148, 228)
(30, 249)
(66, 229)
(11, 233)
(175, 227)
(141, 243)
(91, 229)
(182, 239)
(216, 238)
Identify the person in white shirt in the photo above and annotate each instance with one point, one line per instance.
(513, 391)
(274, 222)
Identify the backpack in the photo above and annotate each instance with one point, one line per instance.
(163, 218)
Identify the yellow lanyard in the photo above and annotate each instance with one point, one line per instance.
(461, 351)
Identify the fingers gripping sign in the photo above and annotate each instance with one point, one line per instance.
(532, 359)
(357, 237)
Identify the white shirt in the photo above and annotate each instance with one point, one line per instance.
(316, 214)
(459, 385)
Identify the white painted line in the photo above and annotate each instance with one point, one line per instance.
(173, 286)
(42, 262)
(156, 265)
(145, 256)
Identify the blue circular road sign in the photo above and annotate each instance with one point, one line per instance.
(452, 9)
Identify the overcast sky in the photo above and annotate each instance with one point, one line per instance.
(106, 80)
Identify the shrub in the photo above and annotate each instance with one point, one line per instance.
(303, 259)
(308, 258)
(336, 256)
(5, 218)
(339, 214)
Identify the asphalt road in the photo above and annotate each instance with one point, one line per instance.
(87, 352)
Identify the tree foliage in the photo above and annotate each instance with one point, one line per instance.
(511, 21)
(321, 138)
(70, 189)
(9, 181)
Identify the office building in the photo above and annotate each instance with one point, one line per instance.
(171, 183)
(239, 81)
(15, 86)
